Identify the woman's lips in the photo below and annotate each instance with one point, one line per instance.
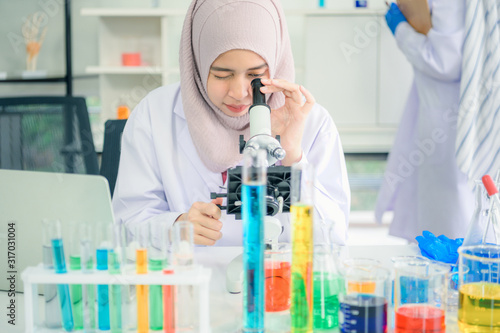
(236, 108)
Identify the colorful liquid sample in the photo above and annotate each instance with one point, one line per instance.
(141, 257)
(76, 294)
(52, 308)
(253, 212)
(363, 287)
(413, 290)
(420, 318)
(168, 306)
(302, 259)
(327, 288)
(479, 307)
(156, 298)
(62, 289)
(278, 276)
(115, 309)
(102, 292)
(363, 313)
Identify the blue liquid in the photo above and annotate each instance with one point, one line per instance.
(362, 3)
(102, 291)
(321, 3)
(363, 313)
(63, 289)
(253, 211)
(413, 290)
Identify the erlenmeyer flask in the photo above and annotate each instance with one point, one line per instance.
(480, 231)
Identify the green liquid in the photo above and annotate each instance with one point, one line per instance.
(113, 262)
(327, 288)
(299, 308)
(156, 307)
(156, 264)
(76, 294)
(115, 310)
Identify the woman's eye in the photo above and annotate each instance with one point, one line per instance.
(256, 74)
(221, 77)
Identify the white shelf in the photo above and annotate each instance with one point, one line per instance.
(124, 70)
(131, 12)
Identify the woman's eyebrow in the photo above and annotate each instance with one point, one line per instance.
(221, 69)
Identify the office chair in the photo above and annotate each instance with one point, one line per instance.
(111, 150)
(49, 133)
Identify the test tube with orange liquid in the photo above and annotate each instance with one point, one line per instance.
(142, 234)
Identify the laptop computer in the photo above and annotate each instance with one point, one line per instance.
(28, 197)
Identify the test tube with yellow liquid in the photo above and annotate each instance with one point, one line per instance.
(141, 253)
(301, 212)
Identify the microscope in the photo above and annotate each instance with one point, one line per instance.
(278, 180)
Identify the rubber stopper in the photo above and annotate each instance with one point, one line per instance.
(489, 185)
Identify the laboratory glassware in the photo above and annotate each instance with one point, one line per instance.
(52, 233)
(328, 286)
(157, 260)
(364, 305)
(478, 231)
(360, 285)
(494, 218)
(420, 295)
(479, 288)
(52, 308)
(88, 290)
(115, 258)
(301, 213)
(76, 265)
(103, 245)
(253, 212)
(182, 258)
(277, 266)
(142, 236)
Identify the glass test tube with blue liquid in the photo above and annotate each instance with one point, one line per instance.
(253, 212)
(75, 264)
(88, 290)
(114, 267)
(52, 307)
(301, 213)
(103, 245)
(182, 257)
(52, 233)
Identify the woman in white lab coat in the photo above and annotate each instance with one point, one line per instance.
(423, 184)
(181, 138)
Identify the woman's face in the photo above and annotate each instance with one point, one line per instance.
(229, 80)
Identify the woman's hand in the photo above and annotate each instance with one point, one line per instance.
(205, 219)
(289, 120)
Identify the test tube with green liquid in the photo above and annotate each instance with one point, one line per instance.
(75, 265)
(142, 236)
(301, 212)
(88, 290)
(157, 260)
(52, 308)
(114, 267)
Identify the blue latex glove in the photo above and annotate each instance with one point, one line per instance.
(439, 248)
(393, 17)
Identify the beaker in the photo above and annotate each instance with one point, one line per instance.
(365, 309)
(479, 291)
(328, 284)
(420, 295)
(360, 285)
(478, 231)
(277, 271)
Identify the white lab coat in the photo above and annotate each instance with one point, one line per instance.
(161, 175)
(423, 184)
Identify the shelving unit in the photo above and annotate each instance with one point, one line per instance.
(143, 30)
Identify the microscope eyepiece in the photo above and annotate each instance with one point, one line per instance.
(258, 96)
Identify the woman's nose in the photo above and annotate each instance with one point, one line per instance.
(239, 89)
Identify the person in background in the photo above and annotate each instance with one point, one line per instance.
(181, 139)
(422, 184)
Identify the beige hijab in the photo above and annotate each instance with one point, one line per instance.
(212, 27)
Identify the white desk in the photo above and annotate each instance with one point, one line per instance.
(225, 308)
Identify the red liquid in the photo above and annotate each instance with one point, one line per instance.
(277, 286)
(420, 318)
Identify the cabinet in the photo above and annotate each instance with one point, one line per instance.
(134, 30)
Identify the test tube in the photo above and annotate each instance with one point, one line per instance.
(114, 267)
(52, 308)
(301, 212)
(183, 260)
(52, 234)
(88, 290)
(103, 245)
(75, 265)
(142, 236)
(129, 266)
(253, 212)
(157, 260)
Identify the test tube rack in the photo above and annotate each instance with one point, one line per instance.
(33, 276)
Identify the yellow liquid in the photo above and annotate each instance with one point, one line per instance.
(141, 257)
(479, 307)
(364, 287)
(302, 258)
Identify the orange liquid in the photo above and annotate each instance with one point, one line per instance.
(363, 287)
(277, 285)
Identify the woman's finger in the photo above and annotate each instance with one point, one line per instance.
(290, 90)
